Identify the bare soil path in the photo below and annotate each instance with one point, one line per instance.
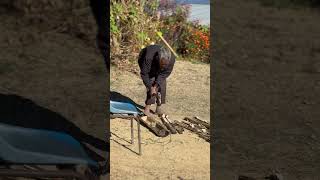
(267, 84)
(180, 156)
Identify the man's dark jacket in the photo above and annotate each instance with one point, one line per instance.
(150, 66)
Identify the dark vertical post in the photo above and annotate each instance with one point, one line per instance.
(132, 136)
(139, 136)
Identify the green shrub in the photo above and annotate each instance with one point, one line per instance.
(189, 39)
(134, 23)
(131, 28)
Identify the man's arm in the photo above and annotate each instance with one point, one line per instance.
(145, 69)
(166, 73)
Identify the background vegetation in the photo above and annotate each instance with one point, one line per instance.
(134, 24)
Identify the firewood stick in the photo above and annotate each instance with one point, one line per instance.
(178, 129)
(199, 123)
(205, 123)
(168, 124)
(154, 126)
(196, 127)
(170, 128)
(200, 134)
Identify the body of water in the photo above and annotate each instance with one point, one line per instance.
(200, 12)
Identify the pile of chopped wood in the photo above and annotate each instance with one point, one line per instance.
(166, 126)
(198, 126)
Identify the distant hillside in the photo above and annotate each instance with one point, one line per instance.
(193, 1)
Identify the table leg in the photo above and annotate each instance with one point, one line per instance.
(139, 136)
(132, 135)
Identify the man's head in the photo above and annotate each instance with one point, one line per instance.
(164, 58)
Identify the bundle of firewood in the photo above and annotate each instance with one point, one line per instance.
(172, 126)
(155, 126)
(198, 126)
(168, 126)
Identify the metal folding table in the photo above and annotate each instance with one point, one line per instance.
(127, 111)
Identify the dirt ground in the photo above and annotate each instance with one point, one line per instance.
(51, 64)
(267, 84)
(181, 156)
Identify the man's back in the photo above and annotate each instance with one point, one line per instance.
(149, 60)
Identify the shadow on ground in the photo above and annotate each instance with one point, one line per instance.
(18, 111)
(115, 96)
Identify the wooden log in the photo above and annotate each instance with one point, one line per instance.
(202, 135)
(154, 126)
(188, 126)
(204, 123)
(196, 127)
(169, 127)
(168, 124)
(179, 129)
(162, 125)
(193, 123)
(198, 122)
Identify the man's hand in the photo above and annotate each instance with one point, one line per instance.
(154, 90)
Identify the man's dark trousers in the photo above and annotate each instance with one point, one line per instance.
(162, 89)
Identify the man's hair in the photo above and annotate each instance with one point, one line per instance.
(165, 54)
